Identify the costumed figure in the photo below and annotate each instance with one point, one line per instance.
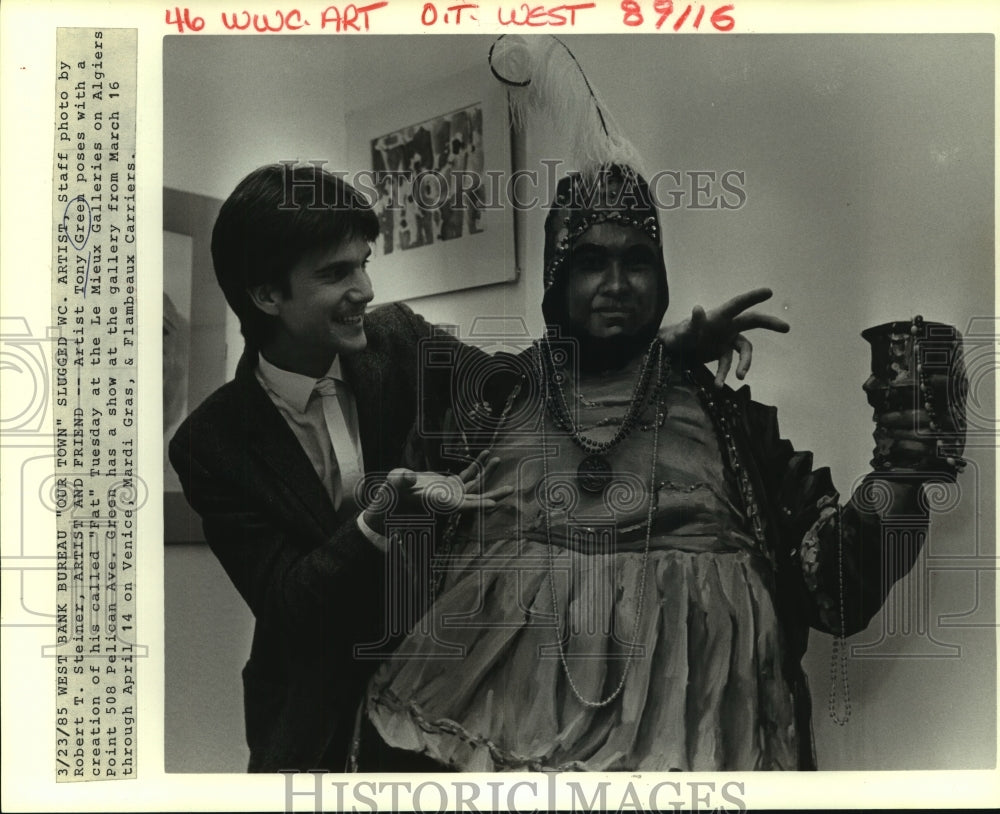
(643, 600)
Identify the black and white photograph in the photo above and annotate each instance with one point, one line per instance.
(560, 533)
(498, 406)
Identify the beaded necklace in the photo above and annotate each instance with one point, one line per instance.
(594, 471)
(586, 444)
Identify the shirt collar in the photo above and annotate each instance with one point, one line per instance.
(294, 388)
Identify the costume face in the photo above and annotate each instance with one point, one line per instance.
(322, 313)
(611, 281)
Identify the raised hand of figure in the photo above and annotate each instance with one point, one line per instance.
(716, 334)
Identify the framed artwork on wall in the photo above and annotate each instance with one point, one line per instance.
(436, 162)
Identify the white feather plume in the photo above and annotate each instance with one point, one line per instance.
(543, 78)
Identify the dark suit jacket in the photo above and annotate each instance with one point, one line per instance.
(315, 584)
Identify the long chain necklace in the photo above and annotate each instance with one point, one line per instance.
(594, 471)
(662, 375)
(840, 711)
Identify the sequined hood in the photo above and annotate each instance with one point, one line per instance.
(614, 194)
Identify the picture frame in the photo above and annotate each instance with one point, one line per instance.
(436, 163)
(195, 312)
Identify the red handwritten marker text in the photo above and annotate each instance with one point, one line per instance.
(720, 18)
(279, 21)
(452, 14)
(540, 15)
(352, 18)
(183, 20)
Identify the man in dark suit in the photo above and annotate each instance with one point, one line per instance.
(324, 394)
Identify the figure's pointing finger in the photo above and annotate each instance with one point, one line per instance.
(725, 363)
(754, 319)
(747, 300)
(745, 349)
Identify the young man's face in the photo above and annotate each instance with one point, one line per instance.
(322, 313)
(612, 281)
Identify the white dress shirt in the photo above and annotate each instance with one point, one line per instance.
(295, 397)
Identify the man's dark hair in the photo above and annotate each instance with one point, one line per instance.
(276, 216)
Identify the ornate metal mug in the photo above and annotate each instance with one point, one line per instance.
(918, 373)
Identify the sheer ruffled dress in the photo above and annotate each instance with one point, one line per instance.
(671, 653)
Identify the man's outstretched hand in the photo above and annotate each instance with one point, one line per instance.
(717, 333)
(411, 492)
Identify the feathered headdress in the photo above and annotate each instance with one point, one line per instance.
(542, 76)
